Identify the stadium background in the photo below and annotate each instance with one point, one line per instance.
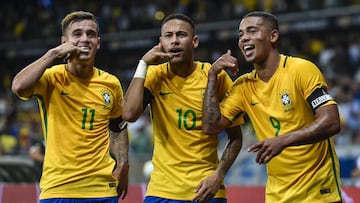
(324, 31)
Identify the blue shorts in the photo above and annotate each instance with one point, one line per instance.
(81, 200)
(152, 199)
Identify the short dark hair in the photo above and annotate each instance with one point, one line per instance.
(76, 16)
(268, 17)
(179, 16)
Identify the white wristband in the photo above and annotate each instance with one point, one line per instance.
(141, 70)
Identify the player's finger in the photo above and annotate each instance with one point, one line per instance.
(124, 193)
(261, 154)
(264, 157)
(164, 55)
(198, 188)
(254, 147)
(267, 159)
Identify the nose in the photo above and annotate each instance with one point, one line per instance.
(244, 37)
(84, 37)
(174, 39)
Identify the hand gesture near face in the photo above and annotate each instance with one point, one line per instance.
(66, 49)
(223, 62)
(156, 55)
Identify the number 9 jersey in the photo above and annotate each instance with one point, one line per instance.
(283, 104)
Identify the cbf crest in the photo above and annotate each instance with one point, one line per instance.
(286, 100)
(106, 98)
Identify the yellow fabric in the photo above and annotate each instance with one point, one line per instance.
(277, 107)
(75, 115)
(183, 155)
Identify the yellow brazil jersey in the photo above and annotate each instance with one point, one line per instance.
(75, 115)
(307, 173)
(183, 155)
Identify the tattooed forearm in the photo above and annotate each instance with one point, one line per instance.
(211, 112)
(231, 150)
(119, 143)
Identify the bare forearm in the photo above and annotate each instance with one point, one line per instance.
(326, 124)
(25, 80)
(119, 143)
(133, 100)
(229, 155)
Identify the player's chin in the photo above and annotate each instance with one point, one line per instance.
(176, 59)
(84, 57)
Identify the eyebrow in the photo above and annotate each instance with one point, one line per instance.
(247, 28)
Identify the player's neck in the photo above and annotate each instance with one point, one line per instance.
(266, 69)
(183, 69)
(80, 70)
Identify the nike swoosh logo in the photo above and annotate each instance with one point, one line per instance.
(164, 93)
(63, 93)
(254, 103)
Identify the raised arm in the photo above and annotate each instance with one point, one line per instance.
(213, 121)
(24, 82)
(133, 99)
(133, 103)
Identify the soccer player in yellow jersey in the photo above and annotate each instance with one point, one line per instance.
(186, 165)
(80, 108)
(293, 116)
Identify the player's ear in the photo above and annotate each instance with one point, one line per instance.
(274, 35)
(195, 41)
(98, 46)
(63, 39)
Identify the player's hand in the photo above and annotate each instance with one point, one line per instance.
(267, 149)
(121, 173)
(67, 49)
(156, 55)
(224, 61)
(207, 189)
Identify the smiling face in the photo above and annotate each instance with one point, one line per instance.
(177, 38)
(257, 38)
(83, 34)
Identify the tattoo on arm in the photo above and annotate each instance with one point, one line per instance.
(119, 143)
(211, 104)
(229, 155)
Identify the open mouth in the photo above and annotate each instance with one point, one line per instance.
(85, 48)
(248, 49)
(176, 51)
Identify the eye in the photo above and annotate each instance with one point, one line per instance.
(77, 34)
(92, 34)
(252, 31)
(167, 35)
(181, 34)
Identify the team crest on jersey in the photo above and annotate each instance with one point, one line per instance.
(106, 98)
(286, 100)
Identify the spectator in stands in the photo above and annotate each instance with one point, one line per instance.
(184, 158)
(293, 116)
(80, 109)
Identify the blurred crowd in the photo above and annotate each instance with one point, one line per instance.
(336, 52)
(40, 18)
